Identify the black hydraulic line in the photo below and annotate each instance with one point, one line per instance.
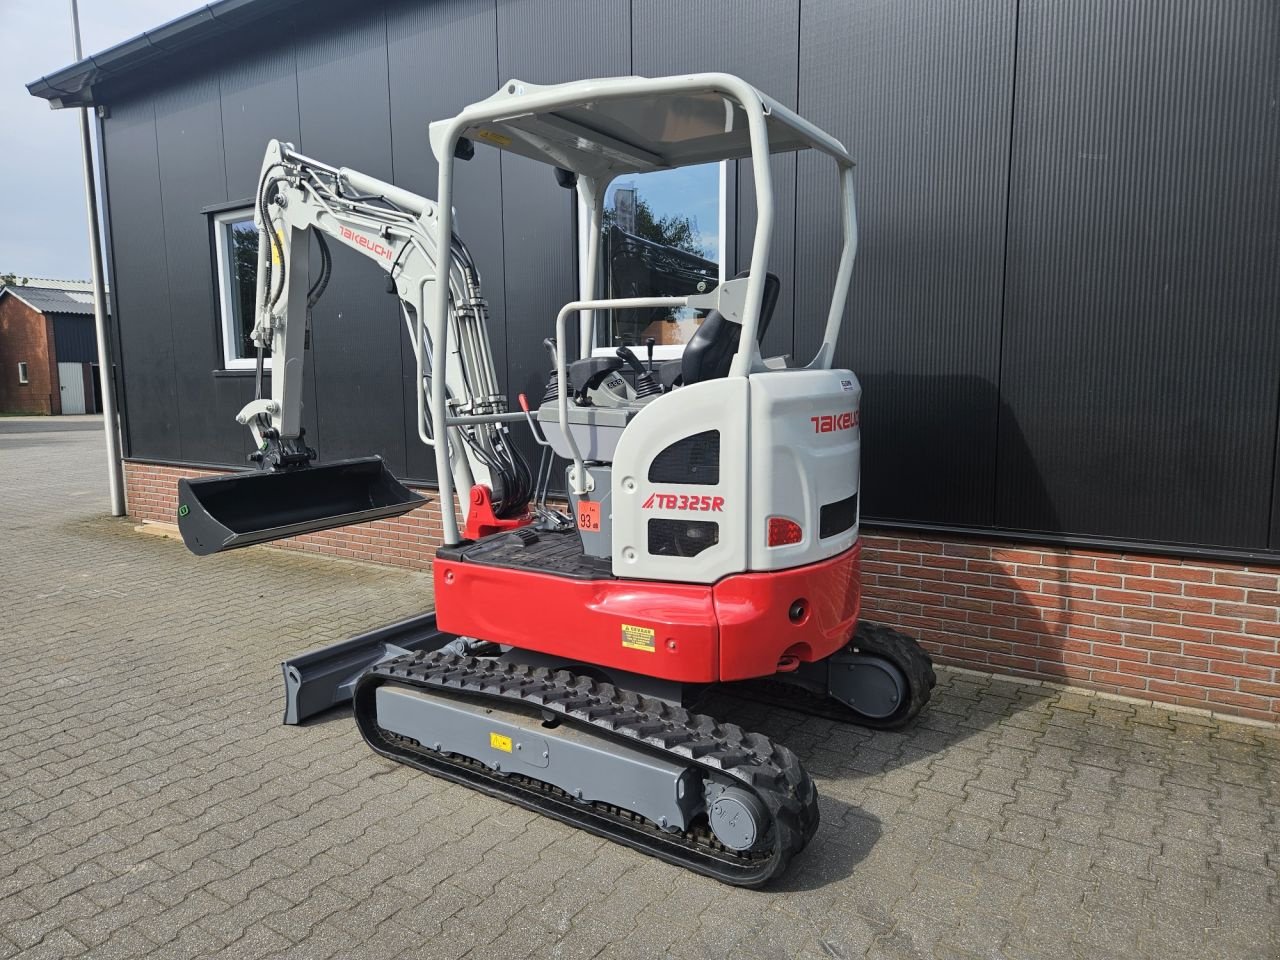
(272, 296)
(268, 300)
(326, 268)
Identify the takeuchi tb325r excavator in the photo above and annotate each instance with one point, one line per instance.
(712, 526)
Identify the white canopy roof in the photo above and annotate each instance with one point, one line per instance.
(619, 125)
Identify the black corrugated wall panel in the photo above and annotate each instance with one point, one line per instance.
(141, 300)
(1274, 542)
(192, 175)
(758, 41)
(546, 41)
(356, 330)
(1141, 357)
(258, 97)
(74, 340)
(443, 56)
(920, 93)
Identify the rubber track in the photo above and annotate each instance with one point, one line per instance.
(873, 639)
(723, 750)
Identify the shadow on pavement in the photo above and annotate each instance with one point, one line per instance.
(341, 714)
(846, 835)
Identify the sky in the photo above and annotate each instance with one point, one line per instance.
(43, 231)
(685, 191)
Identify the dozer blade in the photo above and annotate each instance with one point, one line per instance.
(224, 513)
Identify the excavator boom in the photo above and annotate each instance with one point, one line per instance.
(288, 494)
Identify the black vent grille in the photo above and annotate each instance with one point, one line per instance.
(694, 459)
(682, 538)
(837, 517)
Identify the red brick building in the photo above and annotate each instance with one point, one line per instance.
(48, 350)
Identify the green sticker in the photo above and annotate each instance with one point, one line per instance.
(183, 510)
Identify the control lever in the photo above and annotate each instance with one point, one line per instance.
(645, 384)
(553, 382)
(649, 342)
(547, 518)
(528, 415)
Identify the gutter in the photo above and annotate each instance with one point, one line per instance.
(75, 85)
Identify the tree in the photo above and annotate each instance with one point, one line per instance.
(12, 280)
(244, 253)
(671, 231)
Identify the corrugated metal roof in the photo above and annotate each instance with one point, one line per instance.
(73, 86)
(56, 296)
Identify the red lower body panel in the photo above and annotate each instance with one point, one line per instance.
(739, 628)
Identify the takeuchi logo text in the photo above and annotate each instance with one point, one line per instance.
(831, 422)
(360, 240)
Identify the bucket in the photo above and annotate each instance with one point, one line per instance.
(225, 513)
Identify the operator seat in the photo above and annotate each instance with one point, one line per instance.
(709, 353)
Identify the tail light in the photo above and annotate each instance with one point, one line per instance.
(783, 531)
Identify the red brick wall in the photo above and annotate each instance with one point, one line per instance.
(1193, 633)
(27, 336)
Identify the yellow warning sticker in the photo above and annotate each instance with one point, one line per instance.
(494, 137)
(499, 742)
(638, 638)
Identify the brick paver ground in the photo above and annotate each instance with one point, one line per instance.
(152, 804)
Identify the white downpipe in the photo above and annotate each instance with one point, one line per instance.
(106, 375)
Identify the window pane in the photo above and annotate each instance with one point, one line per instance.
(661, 239)
(241, 238)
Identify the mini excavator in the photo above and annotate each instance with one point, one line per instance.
(712, 532)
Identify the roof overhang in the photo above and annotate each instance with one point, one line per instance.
(620, 125)
(76, 85)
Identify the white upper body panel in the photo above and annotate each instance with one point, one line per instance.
(652, 513)
(786, 445)
(805, 451)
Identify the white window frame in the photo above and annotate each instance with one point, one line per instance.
(23, 373)
(226, 307)
(671, 351)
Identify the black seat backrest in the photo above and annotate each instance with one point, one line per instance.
(709, 353)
